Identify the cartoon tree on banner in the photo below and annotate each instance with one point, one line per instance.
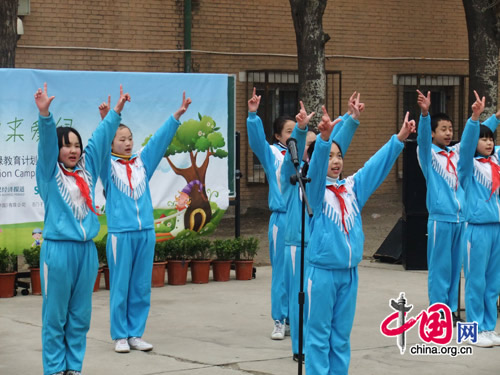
(197, 138)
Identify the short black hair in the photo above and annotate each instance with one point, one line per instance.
(278, 125)
(485, 132)
(439, 117)
(124, 126)
(63, 133)
(310, 151)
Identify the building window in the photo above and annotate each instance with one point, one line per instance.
(279, 91)
(447, 95)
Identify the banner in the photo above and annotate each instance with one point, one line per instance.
(199, 147)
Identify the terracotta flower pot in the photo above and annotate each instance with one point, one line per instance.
(158, 277)
(36, 288)
(98, 280)
(177, 272)
(221, 269)
(7, 284)
(105, 269)
(200, 271)
(243, 269)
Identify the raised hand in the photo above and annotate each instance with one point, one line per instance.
(302, 117)
(407, 128)
(184, 106)
(43, 101)
(354, 106)
(326, 126)
(424, 102)
(253, 103)
(105, 107)
(478, 106)
(121, 101)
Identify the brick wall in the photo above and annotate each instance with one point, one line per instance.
(366, 38)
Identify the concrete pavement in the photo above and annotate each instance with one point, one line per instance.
(223, 328)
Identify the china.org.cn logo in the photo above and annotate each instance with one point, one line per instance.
(435, 326)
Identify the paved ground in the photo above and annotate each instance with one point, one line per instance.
(223, 329)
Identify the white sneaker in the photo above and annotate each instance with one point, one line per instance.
(121, 346)
(137, 343)
(73, 372)
(493, 336)
(483, 340)
(278, 331)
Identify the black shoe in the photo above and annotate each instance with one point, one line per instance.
(296, 357)
(456, 319)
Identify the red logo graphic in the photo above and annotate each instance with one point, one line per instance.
(436, 323)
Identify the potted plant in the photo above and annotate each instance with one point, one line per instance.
(244, 251)
(223, 250)
(200, 252)
(8, 263)
(103, 263)
(32, 259)
(159, 264)
(177, 265)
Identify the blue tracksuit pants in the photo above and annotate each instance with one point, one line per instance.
(130, 261)
(292, 275)
(68, 274)
(482, 274)
(332, 304)
(279, 292)
(445, 252)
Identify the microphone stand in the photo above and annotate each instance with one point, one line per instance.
(302, 180)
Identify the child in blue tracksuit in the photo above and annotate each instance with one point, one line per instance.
(445, 203)
(293, 200)
(131, 236)
(66, 180)
(336, 246)
(271, 157)
(479, 173)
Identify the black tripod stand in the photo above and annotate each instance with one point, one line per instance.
(302, 180)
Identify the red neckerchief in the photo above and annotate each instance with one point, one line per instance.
(449, 163)
(283, 148)
(343, 208)
(84, 188)
(495, 174)
(129, 170)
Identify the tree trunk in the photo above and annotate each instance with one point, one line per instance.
(8, 33)
(199, 212)
(307, 18)
(483, 29)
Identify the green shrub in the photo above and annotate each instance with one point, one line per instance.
(175, 249)
(197, 248)
(32, 256)
(160, 248)
(249, 248)
(101, 252)
(8, 261)
(223, 249)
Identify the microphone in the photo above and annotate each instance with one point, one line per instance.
(292, 148)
